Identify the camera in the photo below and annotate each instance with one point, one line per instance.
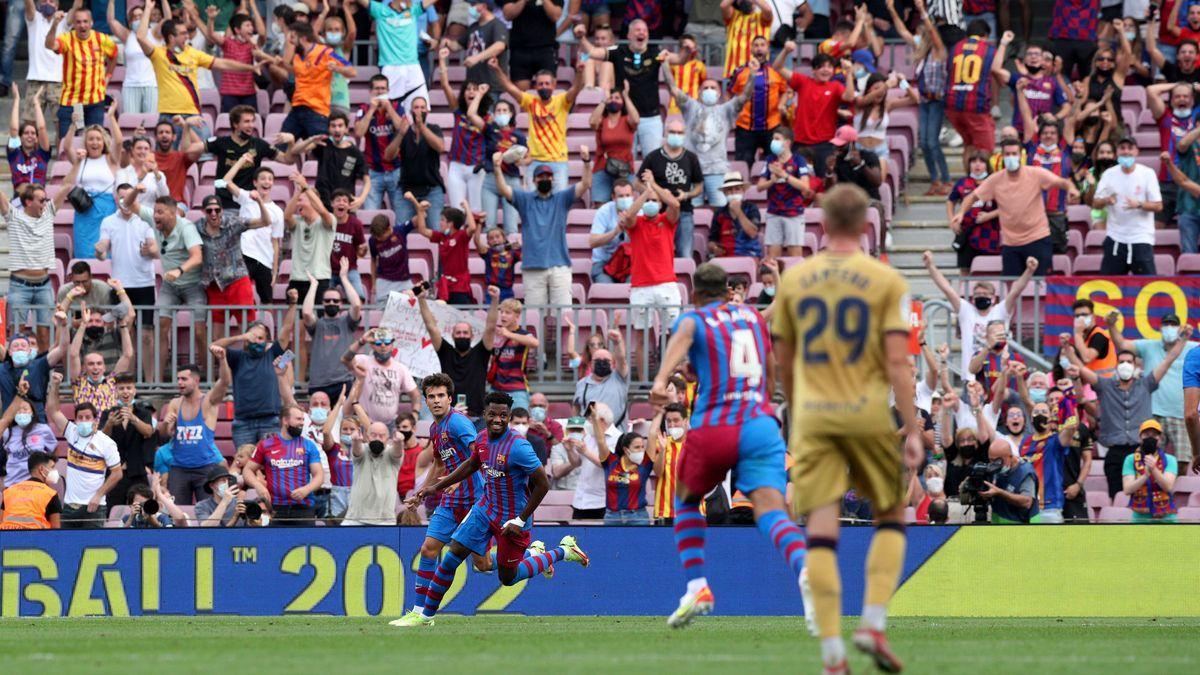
(968, 494)
(150, 507)
(253, 511)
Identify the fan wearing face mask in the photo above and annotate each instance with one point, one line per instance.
(1046, 450)
(33, 504)
(667, 433)
(933, 491)
(21, 435)
(653, 224)
(1167, 402)
(377, 457)
(1148, 477)
(708, 121)
(626, 471)
(1124, 398)
(93, 461)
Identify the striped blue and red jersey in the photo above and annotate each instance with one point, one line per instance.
(624, 488)
(507, 372)
(782, 198)
(286, 466)
(500, 266)
(453, 436)
(971, 76)
(1075, 20)
(341, 466)
(730, 353)
(1056, 160)
(1171, 129)
(507, 463)
(380, 132)
(466, 145)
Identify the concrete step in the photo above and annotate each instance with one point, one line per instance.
(921, 238)
(911, 258)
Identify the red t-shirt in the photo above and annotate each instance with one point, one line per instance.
(653, 244)
(616, 142)
(406, 480)
(452, 259)
(820, 104)
(237, 83)
(346, 239)
(174, 166)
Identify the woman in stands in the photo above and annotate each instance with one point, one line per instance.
(615, 123)
(143, 169)
(472, 106)
(626, 473)
(98, 167)
(500, 135)
(139, 90)
(582, 363)
(28, 143)
(872, 118)
(21, 435)
(929, 54)
(979, 233)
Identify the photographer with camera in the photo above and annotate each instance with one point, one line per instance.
(150, 507)
(225, 506)
(1008, 484)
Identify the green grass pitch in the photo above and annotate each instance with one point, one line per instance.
(516, 644)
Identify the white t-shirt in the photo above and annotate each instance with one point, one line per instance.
(924, 395)
(783, 12)
(125, 237)
(138, 70)
(44, 64)
(155, 183)
(972, 326)
(1126, 225)
(590, 489)
(256, 243)
(87, 460)
(963, 419)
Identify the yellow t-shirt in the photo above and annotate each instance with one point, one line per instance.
(176, 76)
(835, 309)
(688, 77)
(547, 127)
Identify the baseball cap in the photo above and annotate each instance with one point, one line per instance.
(301, 8)
(575, 423)
(1171, 320)
(211, 199)
(845, 134)
(1127, 140)
(542, 170)
(1150, 424)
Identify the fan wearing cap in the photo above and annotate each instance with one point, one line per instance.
(225, 505)
(853, 165)
(1148, 477)
(384, 376)
(736, 224)
(224, 273)
(1132, 194)
(1167, 402)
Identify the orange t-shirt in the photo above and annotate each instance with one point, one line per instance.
(314, 79)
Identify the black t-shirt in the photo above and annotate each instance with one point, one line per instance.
(420, 164)
(677, 175)
(468, 372)
(853, 173)
(136, 451)
(1172, 73)
(227, 152)
(532, 28)
(642, 71)
(957, 471)
(478, 38)
(1100, 343)
(1084, 440)
(338, 168)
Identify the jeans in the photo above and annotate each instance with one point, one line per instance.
(1012, 258)
(931, 114)
(355, 280)
(254, 429)
(92, 114)
(602, 187)
(712, 192)
(683, 235)
(1189, 232)
(649, 134)
(79, 518)
(22, 296)
(627, 517)
(560, 173)
(302, 123)
(436, 199)
(14, 28)
(598, 274)
(493, 203)
(384, 183)
(987, 17)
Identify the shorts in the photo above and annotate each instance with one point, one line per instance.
(784, 230)
(304, 123)
(665, 294)
(477, 531)
(1176, 437)
(523, 63)
(174, 296)
(444, 521)
(978, 129)
(239, 294)
(339, 500)
(754, 450)
(827, 466)
(405, 83)
(142, 299)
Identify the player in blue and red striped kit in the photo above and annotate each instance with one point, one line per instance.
(732, 427)
(453, 436)
(514, 485)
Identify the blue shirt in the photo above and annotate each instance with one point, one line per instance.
(255, 392)
(606, 221)
(397, 33)
(506, 466)
(544, 227)
(1191, 369)
(37, 373)
(163, 459)
(1167, 400)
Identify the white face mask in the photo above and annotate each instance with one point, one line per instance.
(52, 477)
(1125, 370)
(520, 429)
(934, 485)
(635, 457)
(222, 489)
(675, 433)
(576, 436)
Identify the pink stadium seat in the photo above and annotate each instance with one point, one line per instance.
(609, 293)
(553, 513)
(1094, 241)
(1098, 499)
(1187, 484)
(1087, 264)
(745, 266)
(1121, 499)
(1164, 265)
(1188, 514)
(1193, 499)
(1060, 264)
(1074, 242)
(1167, 242)
(1113, 514)
(1094, 483)
(986, 265)
(1188, 263)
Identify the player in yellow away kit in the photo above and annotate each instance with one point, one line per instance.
(841, 330)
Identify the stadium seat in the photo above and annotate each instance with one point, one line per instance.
(1114, 514)
(1188, 263)
(1188, 514)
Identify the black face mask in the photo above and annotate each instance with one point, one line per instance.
(332, 310)
(545, 94)
(613, 107)
(1078, 159)
(544, 186)
(1149, 445)
(1033, 70)
(295, 432)
(376, 447)
(407, 434)
(967, 451)
(462, 344)
(93, 332)
(982, 302)
(602, 368)
(1103, 165)
(1040, 422)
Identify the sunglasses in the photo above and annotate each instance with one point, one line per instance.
(333, 302)
(212, 210)
(384, 343)
(1104, 59)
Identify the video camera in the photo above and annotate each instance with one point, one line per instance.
(968, 494)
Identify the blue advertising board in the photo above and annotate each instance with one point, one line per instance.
(368, 571)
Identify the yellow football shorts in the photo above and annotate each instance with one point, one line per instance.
(827, 466)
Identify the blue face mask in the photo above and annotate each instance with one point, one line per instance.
(1126, 162)
(1064, 362)
(347, 440)
(860, 73)
(770, 291)
(1037, 395)
(623, 203)
(537, 414)
(1012, 163)
(1170, 333)
(675, 140)
(917, 41)
(650, 209)
(502, 119)
(776, 147)
(333, 38)
(85, 428)
(21, 358)
(319, 415)
(709, 97)
(256, 349)
(979, 175)
(23, 419)
(472, 13)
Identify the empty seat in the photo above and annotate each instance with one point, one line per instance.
(1115, 514)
